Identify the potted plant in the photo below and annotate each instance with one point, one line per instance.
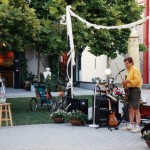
(146, 137)
(58, 116)
(77, 117)
(29, 78)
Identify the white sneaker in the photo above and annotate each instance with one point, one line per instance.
(130, 127)
(136, 129)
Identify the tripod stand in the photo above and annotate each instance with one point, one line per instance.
(94, 125)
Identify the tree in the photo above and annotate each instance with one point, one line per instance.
(107, 13)
(19, 29)
(19, 24)
(23, 27)
(103, 12)
(52, 38)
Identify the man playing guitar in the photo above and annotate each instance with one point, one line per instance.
(133, 83)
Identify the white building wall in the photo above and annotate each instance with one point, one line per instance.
(32, 62)
(120, 58)
(113, 66)
(92, 66)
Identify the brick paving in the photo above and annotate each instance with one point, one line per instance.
(67, 137)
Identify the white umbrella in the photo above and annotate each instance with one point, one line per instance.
(133, 47)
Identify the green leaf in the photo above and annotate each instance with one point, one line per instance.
(53, 10)
(4, 1)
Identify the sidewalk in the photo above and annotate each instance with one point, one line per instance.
(17, 93)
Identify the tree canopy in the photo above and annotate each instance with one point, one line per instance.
(52, 38)
(38, 24)
(19, 24)
(101, 12)
(106, 13)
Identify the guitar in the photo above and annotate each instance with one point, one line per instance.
(112, 120)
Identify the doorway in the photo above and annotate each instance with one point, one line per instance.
(6, 67)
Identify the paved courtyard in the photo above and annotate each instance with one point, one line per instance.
(65, 136)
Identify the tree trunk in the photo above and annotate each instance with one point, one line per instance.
(38, 66)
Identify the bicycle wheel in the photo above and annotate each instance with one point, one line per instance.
(64, 102)
(59, 103)
(33, 104)
(52, 104)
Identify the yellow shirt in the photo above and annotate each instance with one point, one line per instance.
(134, 76)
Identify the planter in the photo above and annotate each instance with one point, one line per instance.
(75, 122)
(148, 143)
(58, 120)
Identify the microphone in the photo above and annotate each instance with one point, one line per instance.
(122, 70)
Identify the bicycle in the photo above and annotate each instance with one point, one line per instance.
(62, 102)
(43, 97)
(62, 99)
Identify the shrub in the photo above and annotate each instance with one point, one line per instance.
(77, 115)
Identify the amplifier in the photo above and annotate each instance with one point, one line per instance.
(101, 110)
(78, 104)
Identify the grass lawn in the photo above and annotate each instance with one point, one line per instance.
(22, 115)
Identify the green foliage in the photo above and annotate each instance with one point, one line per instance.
(58, 114)
(143, 48)
(146, 136)
(52, 83)
(106, 13)
(4, 1)
(38, 25)
(30, 76)
(77, 115)
(54, 64)
(52, 38)
(101, 12)
(19, 25)
(23, 66)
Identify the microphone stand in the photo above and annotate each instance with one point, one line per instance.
(94, 125)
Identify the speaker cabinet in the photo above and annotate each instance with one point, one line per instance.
(101, 110)
(78, 104)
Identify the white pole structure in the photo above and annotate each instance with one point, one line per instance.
(94, 125)
(71, 53)
(133, 47)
